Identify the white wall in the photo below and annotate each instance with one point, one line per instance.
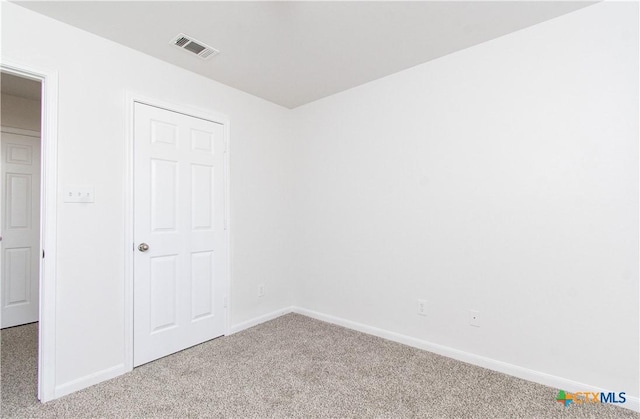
(94, 76)
(501, 178)
(19, 112)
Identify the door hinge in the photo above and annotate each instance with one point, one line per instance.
(225, 302)
(42, 253)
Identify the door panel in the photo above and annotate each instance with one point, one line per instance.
(179, 282)
(17, 264)
(164, 200)
(202, 289)
(163, 292)
(201, 197)
(20, 228)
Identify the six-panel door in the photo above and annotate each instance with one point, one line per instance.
(179, 282)
(20, 228)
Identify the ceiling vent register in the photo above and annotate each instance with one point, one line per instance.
(194, 46)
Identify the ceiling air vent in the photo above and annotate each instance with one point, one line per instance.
(194, 46)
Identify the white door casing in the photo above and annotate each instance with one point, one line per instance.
(179, 282)
(20, 228)
(48, 221)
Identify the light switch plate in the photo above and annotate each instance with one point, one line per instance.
(82, 194)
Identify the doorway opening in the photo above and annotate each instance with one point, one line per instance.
(20, 235)
(28, 185)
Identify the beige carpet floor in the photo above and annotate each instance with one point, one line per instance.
(292, 366)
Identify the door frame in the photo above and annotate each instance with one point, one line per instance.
(129, 244)
(48, 221)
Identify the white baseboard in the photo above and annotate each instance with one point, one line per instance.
(89, 380)
(112, 372)
(632, 403)
(260, 319)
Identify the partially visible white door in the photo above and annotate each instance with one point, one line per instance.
(20, 228)
(180, 248)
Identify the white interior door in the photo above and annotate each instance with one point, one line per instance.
(180, 247)
(20, 228)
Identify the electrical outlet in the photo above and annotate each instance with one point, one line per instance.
(474, 318)
(422, 307)
(261, 290)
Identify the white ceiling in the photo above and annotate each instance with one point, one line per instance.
(292, 53)
(19, 86)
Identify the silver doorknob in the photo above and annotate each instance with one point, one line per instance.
(143, 247)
